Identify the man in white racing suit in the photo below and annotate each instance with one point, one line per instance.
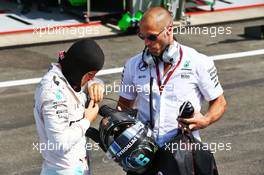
(60, 113)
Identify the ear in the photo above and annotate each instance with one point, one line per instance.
(169, 30)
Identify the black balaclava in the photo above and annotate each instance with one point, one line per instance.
(83, 56)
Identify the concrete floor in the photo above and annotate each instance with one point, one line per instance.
(242, 79)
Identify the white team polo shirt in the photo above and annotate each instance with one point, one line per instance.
(194, 79)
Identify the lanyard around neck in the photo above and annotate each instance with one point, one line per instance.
(162, 85)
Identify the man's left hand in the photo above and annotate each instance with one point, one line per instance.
(96, 92)
(198, 121)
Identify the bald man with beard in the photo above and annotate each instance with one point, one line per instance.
(175, 73)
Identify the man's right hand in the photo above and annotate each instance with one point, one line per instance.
(91, 112)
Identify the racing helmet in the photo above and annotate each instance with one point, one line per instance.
(129, 142)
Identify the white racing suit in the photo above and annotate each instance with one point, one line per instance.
(60, 124)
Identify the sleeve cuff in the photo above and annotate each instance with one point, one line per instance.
(214, 95)
(84, 123)
(93, 81)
